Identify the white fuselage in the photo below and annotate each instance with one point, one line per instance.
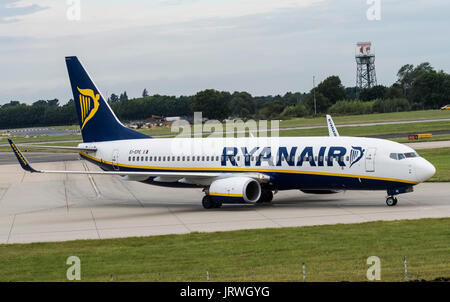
(292, 162)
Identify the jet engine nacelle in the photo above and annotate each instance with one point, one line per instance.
(235, 190)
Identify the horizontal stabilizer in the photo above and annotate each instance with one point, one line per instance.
(22, 160)
(61, 148)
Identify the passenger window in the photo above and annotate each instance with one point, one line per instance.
(178, 158)
(159, 158)
(133, 158)
(150, 159)
(142, 158)
(137, 158)
(203, 158)
(217, 158)
(207, 158)
(129, 158)
(187, 158)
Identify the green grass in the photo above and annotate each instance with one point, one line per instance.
(348, 119)
(440, 158)
(331, 253)
(42, 138)
(349, 131)
(31, 149)
(296, 122)
(373, 130)
(369, 118)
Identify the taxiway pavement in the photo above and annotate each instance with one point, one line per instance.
(43, 207)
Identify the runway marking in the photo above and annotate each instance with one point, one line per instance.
(178, 218)
(268, 218)
(10, 229)
(3, 191)
(340, 207)
(23, 176)
(92, 181)
(65, 187)
(131, 192)
(95, 224)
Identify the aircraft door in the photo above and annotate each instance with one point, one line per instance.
(115, 160)
(370, 159)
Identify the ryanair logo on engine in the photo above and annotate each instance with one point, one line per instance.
(294, 156)
(89, 103)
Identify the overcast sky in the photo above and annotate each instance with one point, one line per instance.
(179, 47)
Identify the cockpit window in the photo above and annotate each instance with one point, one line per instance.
(411, 154)
(400, 156)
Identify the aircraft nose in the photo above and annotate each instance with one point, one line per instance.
(425, 170)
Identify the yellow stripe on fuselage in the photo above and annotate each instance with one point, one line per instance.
(226, 195)
(251, 170)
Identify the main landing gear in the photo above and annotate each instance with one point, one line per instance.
(208, 203)
(391, 201)
(266, 197)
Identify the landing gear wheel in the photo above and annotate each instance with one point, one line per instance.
(391, 201)
(217, 205)
(207, 202)
(266, 197)
(269, 196)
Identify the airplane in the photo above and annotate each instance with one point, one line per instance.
(236, 170)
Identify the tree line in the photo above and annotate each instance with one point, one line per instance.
(417, 88)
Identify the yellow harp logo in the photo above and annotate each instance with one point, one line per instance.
(88, 104)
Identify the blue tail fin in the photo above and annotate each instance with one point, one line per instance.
(98, 122)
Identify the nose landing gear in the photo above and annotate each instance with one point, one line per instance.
(391, 201)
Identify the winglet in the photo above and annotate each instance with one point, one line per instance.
(22, 161)
(332, 130)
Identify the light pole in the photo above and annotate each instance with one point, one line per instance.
(314, 93)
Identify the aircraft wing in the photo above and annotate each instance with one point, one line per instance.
(176, 174)
(61, 148)
(332, 130)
